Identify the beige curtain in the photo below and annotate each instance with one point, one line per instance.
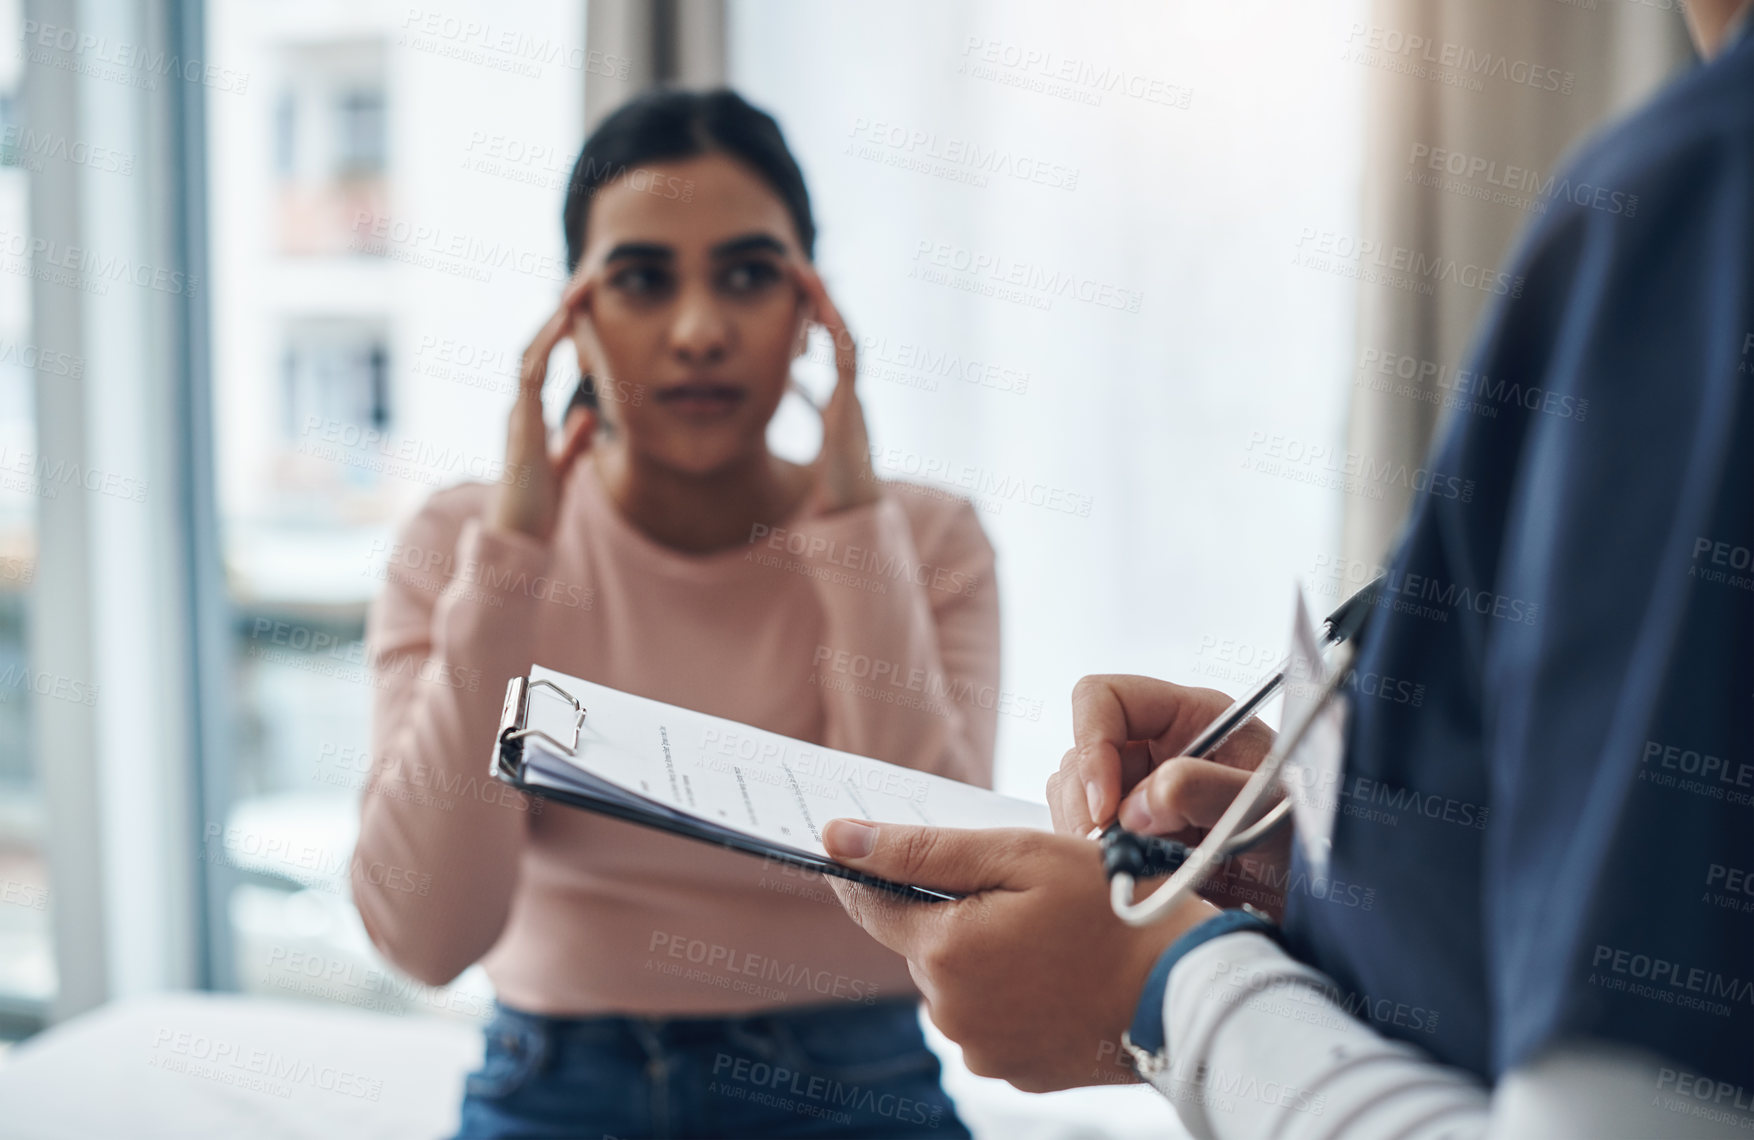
(647, 42)
(1609, 55)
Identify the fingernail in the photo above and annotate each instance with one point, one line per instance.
(1135, 816)
(1093, 797)
(848, 839)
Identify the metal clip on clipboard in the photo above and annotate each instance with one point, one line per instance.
(516, 714)
(1128, 856)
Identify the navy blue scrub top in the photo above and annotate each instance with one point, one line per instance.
(1554, 838)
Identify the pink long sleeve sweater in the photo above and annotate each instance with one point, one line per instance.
(873, 630)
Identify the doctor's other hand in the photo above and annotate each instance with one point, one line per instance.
(1030, 971)
(527, 499)
(1126, 729)
(1126, 763)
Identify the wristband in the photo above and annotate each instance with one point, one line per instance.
(1144, 1039)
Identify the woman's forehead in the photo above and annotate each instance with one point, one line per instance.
(690, 204)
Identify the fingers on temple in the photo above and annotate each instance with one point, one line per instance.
(583, 327)
(828, 316)
(535, 364)
(576, 292)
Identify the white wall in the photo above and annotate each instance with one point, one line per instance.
(1149, 416)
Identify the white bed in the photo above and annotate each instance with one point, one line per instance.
(145, 1069)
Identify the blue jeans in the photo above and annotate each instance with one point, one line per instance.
(820, 1071)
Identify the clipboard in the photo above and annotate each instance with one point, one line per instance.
(511, 752)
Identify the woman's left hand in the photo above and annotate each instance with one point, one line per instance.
(844, 478)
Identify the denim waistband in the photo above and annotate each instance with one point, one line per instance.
(811, 1018)
(773, 1034)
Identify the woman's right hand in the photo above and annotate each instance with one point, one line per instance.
(528, 497)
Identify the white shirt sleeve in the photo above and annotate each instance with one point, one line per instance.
(1259, 1047)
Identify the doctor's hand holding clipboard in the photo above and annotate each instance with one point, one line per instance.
(1130, 733)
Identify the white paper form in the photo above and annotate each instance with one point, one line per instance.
(678, 762)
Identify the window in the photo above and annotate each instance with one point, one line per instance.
(360, 130)
(330, 150)
(27, 961)
(336, 371)
(360, 362)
